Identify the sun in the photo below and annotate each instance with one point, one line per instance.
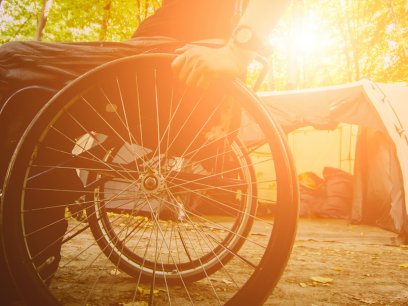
(308, 35)
(305, 36)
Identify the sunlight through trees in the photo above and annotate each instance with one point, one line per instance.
(318, 42)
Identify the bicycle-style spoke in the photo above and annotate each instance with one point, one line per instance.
(133, 188)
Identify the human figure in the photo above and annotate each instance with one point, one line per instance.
(56, 64)
(242, 24)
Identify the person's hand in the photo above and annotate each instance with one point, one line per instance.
(197, 66)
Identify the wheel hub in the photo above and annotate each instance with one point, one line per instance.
(151, 183)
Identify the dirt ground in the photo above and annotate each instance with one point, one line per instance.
(332, 263)
(335, 263)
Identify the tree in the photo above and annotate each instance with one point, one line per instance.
(105, 20)
(72, 20)
(18, 20)
(341, 41)
(318, 42)
(46, 6)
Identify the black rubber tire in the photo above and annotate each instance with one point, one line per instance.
(15, 115)
(43, 132)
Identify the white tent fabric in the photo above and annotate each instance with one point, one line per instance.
(372, 106)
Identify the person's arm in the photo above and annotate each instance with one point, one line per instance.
(198, 66)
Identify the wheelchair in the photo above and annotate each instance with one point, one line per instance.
(129, 187)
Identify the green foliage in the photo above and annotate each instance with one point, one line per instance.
(318, 42)
(325, 42)
(18, 19)
(74, 20)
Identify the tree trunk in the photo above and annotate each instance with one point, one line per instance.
(353, 29)
(350, 35)
(138, 12)
(42, 21)
(105, 20)
(347, 48)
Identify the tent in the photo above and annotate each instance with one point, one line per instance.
(380, 182)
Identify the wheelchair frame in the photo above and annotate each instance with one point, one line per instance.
(194, 190)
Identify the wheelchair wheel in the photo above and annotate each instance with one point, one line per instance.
(128, 187)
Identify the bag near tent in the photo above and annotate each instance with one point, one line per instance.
(327, 197)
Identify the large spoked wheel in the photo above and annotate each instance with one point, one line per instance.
(130, 187)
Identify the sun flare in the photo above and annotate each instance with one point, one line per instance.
(306, 37)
